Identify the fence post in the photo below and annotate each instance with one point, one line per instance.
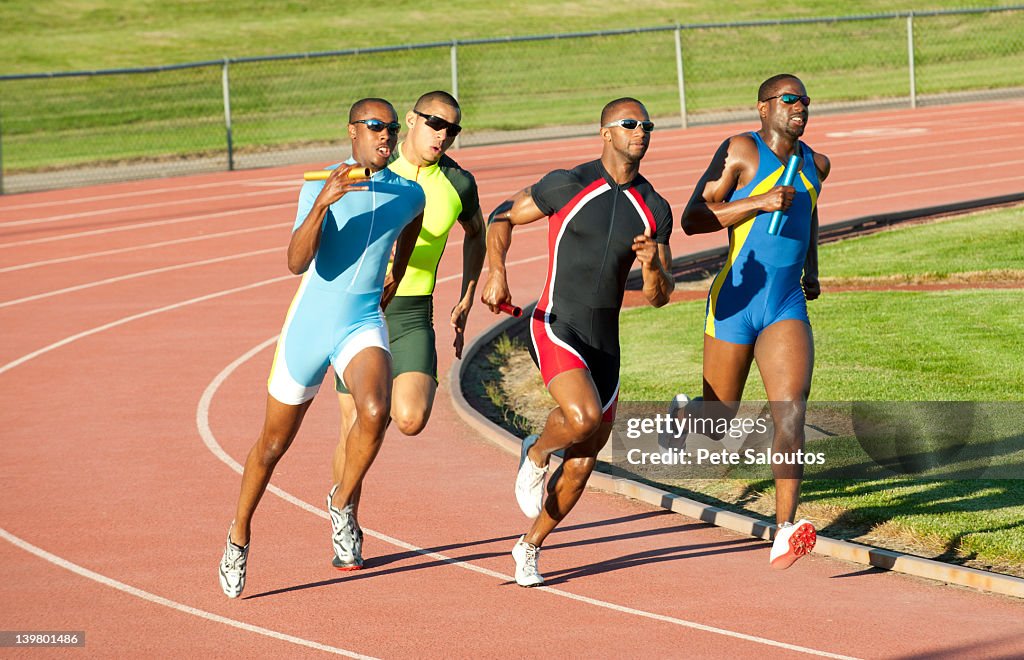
(1, 155)
(455, 77)
(910, 59)
(679, 76)
(226, 86)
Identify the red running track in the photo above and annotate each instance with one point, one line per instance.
(138, 322)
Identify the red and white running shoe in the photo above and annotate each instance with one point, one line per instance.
(792, 541)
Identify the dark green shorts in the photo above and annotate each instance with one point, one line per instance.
(410, 322)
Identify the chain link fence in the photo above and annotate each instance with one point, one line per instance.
(66, 129)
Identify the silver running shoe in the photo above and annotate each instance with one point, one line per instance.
(346, 536)
(526, 556)
(530, 482)
(668, 439)
(232, 568)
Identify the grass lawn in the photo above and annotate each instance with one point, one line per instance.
(63, 35)
(65, 122)
(987, 242)
(893, 345)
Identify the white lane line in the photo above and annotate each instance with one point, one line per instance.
(202, 422)
(203, 425)
(989, 165)
(828, 203)
(843, 123)
(929, 152)
(134, 317)
(166, 602)
(980, 185)
(206, 433)
(144, 246)
(147, 225)
(689, 168)
(121, 278)
(131, 276)
(833, 146)
(282, 186)
(674, 138)
(145, 192)
(185, 199)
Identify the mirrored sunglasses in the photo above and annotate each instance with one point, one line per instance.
(440, 124)
(377, 125)
(790, 99)
(631, 124)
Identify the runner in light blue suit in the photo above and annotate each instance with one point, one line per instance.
(342, 239)
(336, 311)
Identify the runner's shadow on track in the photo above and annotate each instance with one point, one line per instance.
(654, 556)
(511, 538)
(373, 564)
(638, 534)
(974, 649)
(871, 570)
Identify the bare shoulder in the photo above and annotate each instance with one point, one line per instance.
(737, 159)
(738, 154)
(741, 147)
(823, 164)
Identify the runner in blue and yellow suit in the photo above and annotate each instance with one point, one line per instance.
(757, 306)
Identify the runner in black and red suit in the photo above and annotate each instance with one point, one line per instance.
(603, 217)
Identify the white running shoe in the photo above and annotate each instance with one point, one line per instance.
(232, 568)
(526, 556)
(346, 536)
(530, 482)
(792, 541)
(669, 440)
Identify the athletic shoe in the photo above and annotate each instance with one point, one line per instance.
(526, 556)
(337, 563)
(669, 440)
(791, 543)
(346, 536)
(232, 568)
(530, 481)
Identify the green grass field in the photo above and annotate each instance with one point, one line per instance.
(63, 35)
(55, 123)
(953, 345)
(984, 242)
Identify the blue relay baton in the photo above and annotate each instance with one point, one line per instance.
(792, 167)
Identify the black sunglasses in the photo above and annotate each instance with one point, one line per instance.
(377, 125)
(440, 124)
(631, 124)
(790, 99)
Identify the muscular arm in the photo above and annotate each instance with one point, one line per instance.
(733, 166)
(658, 282)
(519, 210)
(810, 281)
(474, 250)
(305, 240)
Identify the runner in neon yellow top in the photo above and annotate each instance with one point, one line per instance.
(451, 194)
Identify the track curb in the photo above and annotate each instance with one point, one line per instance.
(854, 552)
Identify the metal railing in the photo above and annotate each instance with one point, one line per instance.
(69, 128)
